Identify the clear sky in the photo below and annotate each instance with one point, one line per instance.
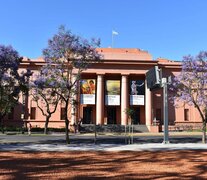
(165, 28)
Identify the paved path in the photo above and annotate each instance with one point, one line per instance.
(143, 142)
(141, 138)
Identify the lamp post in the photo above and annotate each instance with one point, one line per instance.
(165, 108)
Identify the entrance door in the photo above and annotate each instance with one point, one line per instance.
(136, 115)
(111, 115)
(87, 115)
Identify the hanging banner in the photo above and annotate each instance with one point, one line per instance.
(112, 96)
(137, 91)
(88, 91)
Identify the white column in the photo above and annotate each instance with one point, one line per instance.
(99, 100)
(148, 106)
(124, 99)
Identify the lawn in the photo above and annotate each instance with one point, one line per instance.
(183, 164)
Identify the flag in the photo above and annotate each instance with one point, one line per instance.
(114, 32)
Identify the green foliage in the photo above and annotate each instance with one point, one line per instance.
(34, 129)
(130, 112)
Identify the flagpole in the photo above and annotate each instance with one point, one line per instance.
(112, 37)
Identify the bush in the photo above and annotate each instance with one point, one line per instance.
(12, 128)
(34, 129)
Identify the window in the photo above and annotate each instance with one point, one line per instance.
(158, 114)
(87, 115)
(33, 113)
(62, 113)
(186, 114)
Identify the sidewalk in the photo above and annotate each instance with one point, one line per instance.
(101, 147)
(105, 142)
(184, 133)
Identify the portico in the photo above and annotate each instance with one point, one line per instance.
(113, 109)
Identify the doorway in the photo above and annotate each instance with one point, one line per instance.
(111, 115)
(136, 115)
(87, 115)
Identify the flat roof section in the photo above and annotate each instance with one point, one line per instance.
(124, 54)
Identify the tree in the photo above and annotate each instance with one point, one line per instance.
(130, 113)
(190, 86)
(69, 55)
(43, 93)
(11, 81)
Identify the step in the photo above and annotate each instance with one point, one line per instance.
(112, 128)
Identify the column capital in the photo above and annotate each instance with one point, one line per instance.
(100, 74)
(125, 74)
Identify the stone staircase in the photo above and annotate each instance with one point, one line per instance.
(87, 128)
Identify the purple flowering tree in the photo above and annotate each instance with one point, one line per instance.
(69, 55)
(43, 93)
(190, 86)
(11, 81)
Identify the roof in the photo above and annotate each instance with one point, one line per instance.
(26, 59)
(124, 54)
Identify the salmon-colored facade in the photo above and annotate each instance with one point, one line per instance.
(118, 82)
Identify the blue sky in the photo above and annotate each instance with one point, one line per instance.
(165, 28)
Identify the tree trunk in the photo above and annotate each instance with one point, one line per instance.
(67, 131)
(46, 124)
(66, 125)
(204, 129)
(2, 124)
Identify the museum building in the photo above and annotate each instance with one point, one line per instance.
(108, 88)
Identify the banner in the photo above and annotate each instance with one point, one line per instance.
(137, 91)
(88, 91)
(112, 96)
